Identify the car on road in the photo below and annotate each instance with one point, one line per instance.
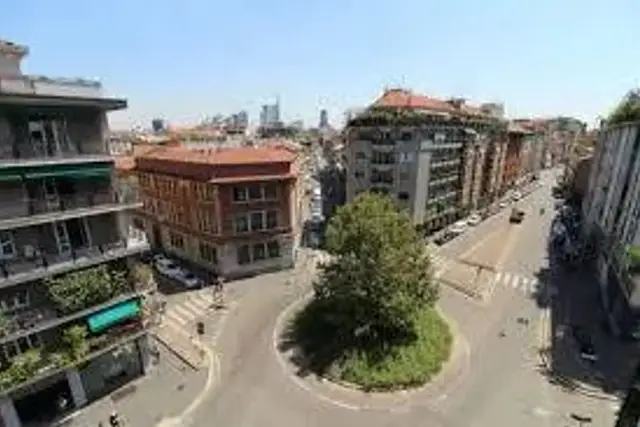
(458, 227)
(188, 279)
(474, 220)
(585, 345)
(516, 196)
(517, 215)
(503, 204)
(166, 267)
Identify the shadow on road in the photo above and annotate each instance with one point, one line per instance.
(572, 296)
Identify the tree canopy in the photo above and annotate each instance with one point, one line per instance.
(379, 277)
(628, 110)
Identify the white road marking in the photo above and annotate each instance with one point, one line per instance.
(175, 316)
(506, 279)
(192, 307)
(497, 278)
(533, 286)
(184, 313)
(541, 412)
(200, 303)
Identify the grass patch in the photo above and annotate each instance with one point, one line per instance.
(399, 363)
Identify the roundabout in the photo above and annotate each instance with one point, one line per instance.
(349, 395)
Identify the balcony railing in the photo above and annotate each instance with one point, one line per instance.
(36, 319)
(439, 163)
(9, 158)
(43, 264)
(52, 360)
(33, 211)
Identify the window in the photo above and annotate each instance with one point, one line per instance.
(272, 219)
(255, 192)
(244, 254)
(241, 223)
(239, 194)
(403, 196)
(17, 301)
(359, 174)
(205, 222)
(259, 252)
(7, 247)
(176, 240)
(208, 253)
(270, 191)
(361, 156)
(257, 220)
(273, 249)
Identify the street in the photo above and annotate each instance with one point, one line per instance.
(496, 376)
(501, 377)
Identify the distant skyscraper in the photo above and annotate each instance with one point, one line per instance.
(242, 118)
(270, 114)
(158, 125)
(324, 119)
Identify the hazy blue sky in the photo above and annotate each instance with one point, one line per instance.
(190, 58)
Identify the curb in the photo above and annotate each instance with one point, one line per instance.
(457, 351)
(193, 365)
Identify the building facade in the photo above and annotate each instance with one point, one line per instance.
(512, 165)
(611, 211)
(230, 211)
(435, 157)
(71, 304)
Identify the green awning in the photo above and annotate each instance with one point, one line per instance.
(5, 177)
(75, 173)
(113, 315)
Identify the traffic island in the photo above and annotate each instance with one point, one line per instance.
(390, 364)
(489, 253)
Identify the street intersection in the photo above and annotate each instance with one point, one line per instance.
(500, 374)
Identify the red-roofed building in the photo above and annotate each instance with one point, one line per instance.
(439, 158)
(227, 210)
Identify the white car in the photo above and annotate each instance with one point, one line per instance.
(188, 279)
(516, 196)
(474, 220)
(458, 227)
(166, 267)
(503, 204)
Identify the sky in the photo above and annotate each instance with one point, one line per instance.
(184, 60)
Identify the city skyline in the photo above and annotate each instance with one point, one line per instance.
(487, 58)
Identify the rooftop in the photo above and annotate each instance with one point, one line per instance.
(404, 98)
(223, 156)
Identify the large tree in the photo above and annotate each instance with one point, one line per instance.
(379, 276)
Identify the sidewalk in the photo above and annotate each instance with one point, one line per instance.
(163, 393)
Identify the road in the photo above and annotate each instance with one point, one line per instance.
(498, 381)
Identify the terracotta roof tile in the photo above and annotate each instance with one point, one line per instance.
(403, 98)
(125, 163)
(222, 156)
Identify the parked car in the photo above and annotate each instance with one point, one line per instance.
(517, 215)
(516, 196)
(474, 220)
(188, 279)
(585, 345)
(503, 204)
(166, 267)
(458, 227)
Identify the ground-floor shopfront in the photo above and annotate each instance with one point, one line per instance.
(58, 395)
(619, 298)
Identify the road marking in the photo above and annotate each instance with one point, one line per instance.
(497, 278)
(192, 306)
(184, 312)
(200, 303)
(541, 412)
(175, 316)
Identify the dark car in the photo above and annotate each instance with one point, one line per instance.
(517, 216)
(585, 345)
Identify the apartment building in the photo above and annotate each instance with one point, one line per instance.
(71, 324)
(437, 158)
(230, 211)
(511, 172)
(611, 211)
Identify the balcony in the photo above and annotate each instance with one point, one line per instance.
(26, 212)
(442, 180)
(60, 91)
(446, 162)
(40, 264)
(49, 311)
(72, 347)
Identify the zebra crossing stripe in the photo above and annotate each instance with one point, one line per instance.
(506, 279)
(176, 317)
(497, 278)
(184, 312)
(200, 302)
(192, 307)
(516, 281)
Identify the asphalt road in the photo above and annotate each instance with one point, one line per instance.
(500, 382)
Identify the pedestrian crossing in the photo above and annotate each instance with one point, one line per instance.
(194, 307)
(493, 279)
